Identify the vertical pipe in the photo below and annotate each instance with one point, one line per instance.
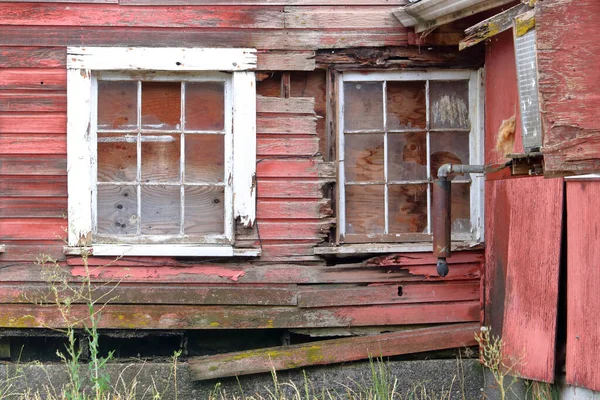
(441, 223)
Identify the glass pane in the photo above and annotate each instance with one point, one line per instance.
(204, 106)
(363, 105)
(448, 148)
(363, 157)
(161, 210)
(407, 156)
(117, 158)
(406, 105)
(204, 210)
(117, 105)
(117, 210)
(408, 208)
(204, 158)
(449, 104)
(461, 208)
(161, 105)
(365, 209)
(160, 158)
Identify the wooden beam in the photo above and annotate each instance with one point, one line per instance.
(491, 26)
(333, 351)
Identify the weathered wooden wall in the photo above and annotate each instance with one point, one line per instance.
(288, 286)
(568, 63)
(523, 236)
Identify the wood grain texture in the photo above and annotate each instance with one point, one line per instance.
(240, 317)
(33, 79)
(567, 89)
(33, 123)
(33, 207)
(333, 351)
(336, 17)
(583, 275)
(33, 57)
(33, 144)
(286, 61)
(28, 253)
(39, 165)
(30, 229)
(263, 2)
(530, 313)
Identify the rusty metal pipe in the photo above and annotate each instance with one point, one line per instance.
(441, 208)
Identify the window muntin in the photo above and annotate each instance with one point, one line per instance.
(162, 148)
(395, 130)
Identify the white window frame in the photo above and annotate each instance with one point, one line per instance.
(84, 65)
(476, 147)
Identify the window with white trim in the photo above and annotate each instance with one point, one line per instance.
(395, 129)
(152, 138)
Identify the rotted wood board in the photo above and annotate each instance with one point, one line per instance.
(583, 278)
(568, 86)
(333, 351)
(240, 317)
(531, 299)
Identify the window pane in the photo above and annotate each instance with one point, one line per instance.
(363, 106)
(407, 156)
(117, 105)
(160, 158)
(448, 147)
(117, 210)
(406, 105)
(117, 158)
(408, 208)
(449, 104)
(363, 157)
(161, 105)
(204, 106)
(461, 208)
(204, 210)
(365, 209)
(204, 158)
(161, 210)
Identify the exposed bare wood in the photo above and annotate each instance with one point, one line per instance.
(333, 351)
(276, 105)
(286, 61)
(491, 26)
(328, 17)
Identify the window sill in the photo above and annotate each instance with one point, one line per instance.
(178, 250)
(373, 248)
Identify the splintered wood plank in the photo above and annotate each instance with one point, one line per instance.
(286, 61)
(354, 295)
(33, 57)
(324, 17)
(240, 317)
(34, 123)
(11, 101)
(33, 228)
(583, 335)
(303, 125)
(28, 207)
(274, 209)
(271, 295)
(287, 146)
(263, 39)
(33, 144)
(333, 351)
(529, 328)
(280, 105)
(568, 99)
(288, 252)
(178, 17)
(33, 186)
(33, 79)
(20, 165)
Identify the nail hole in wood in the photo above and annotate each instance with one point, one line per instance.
(399, 291)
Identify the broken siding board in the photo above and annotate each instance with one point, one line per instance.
(33, 144)
(286, 61)
(297, 230)
(33, 186)
(33, 79)
(273, 295)
(306, 125)
(351, 295)
(240, 317)
(33, 207)
(333, 351)
(336, 17)
(274, 209)
(291, 105)
(82, 15)
(567, 89)
(265, 39)
(583, 335)
(530, 313)
(33, 123)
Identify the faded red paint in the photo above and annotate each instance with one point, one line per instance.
(155, 273)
